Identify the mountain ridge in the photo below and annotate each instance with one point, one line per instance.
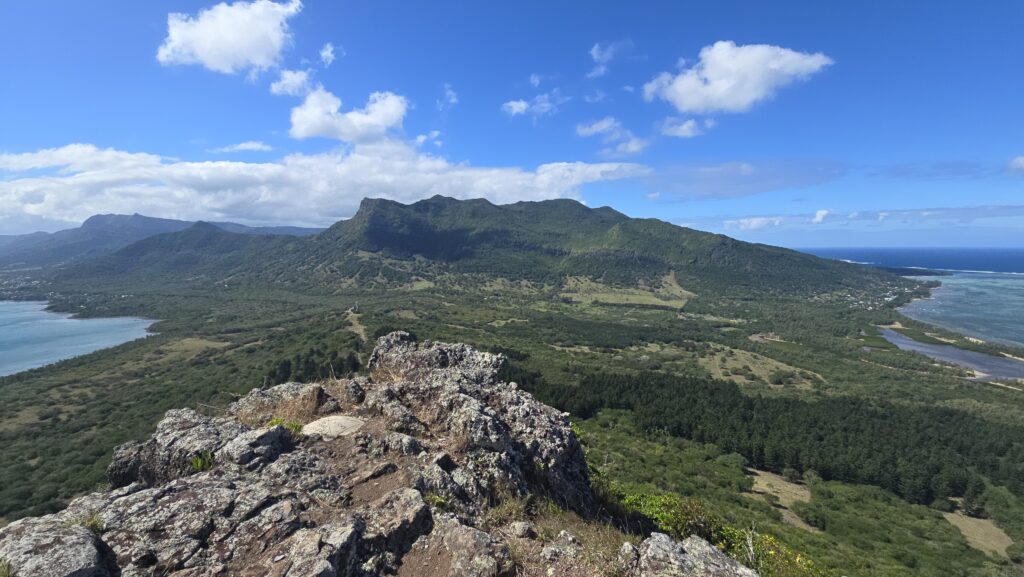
(543, 242)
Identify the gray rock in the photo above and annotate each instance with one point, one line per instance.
(522, 530)
(661, 556)
(46, 547)
(565, 546)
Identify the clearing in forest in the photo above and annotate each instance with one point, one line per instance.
(982, 534)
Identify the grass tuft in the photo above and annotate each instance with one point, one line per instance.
(202, 462)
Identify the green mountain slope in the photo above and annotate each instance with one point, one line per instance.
(104, 234)
(543, 242)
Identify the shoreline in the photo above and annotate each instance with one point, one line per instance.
(45, 349)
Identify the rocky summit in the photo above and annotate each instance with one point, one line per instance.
(396, 473)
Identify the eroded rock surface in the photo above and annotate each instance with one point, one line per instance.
(394, 477)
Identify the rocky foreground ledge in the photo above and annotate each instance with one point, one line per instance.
(388, 475)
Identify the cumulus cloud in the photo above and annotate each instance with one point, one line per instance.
(230, 38)
(535, 80)
(76, 181)
(432, 136)
(1017, 163)
(619, 140)
(327, 54)
(602, 55)
(247, 146)
(320, 115)
(731, 78)
(595, 97)
(291, 83)
(681, 128)
(820, 216)
(448, 99)
(515, 107)
(544, 104)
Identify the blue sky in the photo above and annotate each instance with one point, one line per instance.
(792, 123)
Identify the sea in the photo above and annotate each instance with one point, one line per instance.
(31, 336)
(982, 297)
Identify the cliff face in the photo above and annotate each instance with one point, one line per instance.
(394, 474)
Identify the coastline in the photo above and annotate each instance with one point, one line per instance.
(40, 336)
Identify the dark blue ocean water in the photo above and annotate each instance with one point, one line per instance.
(31, 337)
(965, 259)
(983, 298)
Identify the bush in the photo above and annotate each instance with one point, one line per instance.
(681, 517)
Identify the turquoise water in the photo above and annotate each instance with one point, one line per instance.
(988, 306)
(31, 337)
(992, 366)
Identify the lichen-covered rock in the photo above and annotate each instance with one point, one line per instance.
(661, 556)
(47, 547)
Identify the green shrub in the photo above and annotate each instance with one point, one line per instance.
(202, 462)
(294, 427)
(5, 569)
(681, 517)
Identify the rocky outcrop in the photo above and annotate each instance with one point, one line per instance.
(661, 556)
(390, 475)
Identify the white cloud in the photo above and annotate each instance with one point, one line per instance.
(319, 115)
(291, 83)
(820, 216)
(594, 97)
(619, 140)
(681, 128)
(602, 55)
(515, 107)
(431, 136)
(247, 146)
(229, 38)
(316, 190)
(731, 78)
(327, 54)
(1017, 163)
(753, 223)
(449, 99)
(535, 80)
(544, 104)
(605, 125)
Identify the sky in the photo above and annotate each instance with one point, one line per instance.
(804, 124)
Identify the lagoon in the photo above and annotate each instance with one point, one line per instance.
(31, 336)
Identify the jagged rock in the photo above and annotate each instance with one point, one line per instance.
(439, 442)
(182, 435)
(47, 547)
(661, 556)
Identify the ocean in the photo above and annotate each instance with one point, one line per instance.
(32, 337)
(983, 297)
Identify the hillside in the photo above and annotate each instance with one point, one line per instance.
(359, 477)
(539, 242)
(104, 234)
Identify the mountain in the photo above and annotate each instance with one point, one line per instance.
(545, 242)
(104, 234)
